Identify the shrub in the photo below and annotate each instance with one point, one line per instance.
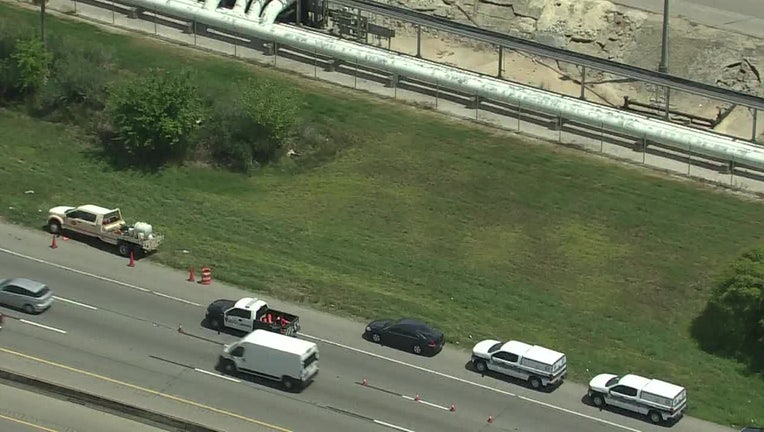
(154, 116)
(251, 127)
(733, 321)
(77, 84)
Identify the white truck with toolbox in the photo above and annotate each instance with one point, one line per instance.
(658, 400)
(539, 366)
(105, 224)
(273, 356)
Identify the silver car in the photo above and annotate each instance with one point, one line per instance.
(25, 294)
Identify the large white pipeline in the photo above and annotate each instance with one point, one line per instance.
(668, 134)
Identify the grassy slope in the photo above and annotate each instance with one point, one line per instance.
(482, 235)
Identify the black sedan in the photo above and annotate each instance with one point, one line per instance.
(406, 334)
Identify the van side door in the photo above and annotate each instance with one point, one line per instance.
(239, 319)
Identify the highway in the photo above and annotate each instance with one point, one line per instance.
(26, 411)
(114, 330)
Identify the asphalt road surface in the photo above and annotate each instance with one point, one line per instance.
(740, 16)
(26, 411)
(114, 329)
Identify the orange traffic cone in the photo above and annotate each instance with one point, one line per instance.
(191, 277)
(453, 408)
(53, 245)
(363, 382)
(417, 398)
(132, 260)
(490, 419)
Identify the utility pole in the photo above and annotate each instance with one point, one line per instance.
(663, 66)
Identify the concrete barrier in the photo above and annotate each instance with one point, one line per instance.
(113, 407)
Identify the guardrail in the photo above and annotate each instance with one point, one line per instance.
(511, 42)
(647, 130)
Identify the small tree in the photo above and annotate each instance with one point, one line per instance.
(154, 116)
(32, 62)
(276, 109)
(733, 322)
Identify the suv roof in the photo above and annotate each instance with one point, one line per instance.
(27, 284)
(654, 386)
(532, 352)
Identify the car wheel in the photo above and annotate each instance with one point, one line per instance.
(54, 227)
(229, 367)
(480, 366)
(534, 382)
(28, 309)
(417, 349)
(214, 324)
(598, 401)
(655, 417)
(287, 383)
(124, 249)
(376, 338)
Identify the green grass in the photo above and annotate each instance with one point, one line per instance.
(480, 234)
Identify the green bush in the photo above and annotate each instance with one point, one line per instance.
(250, 127)
(154, 117)
(24, 63)
(733, 321)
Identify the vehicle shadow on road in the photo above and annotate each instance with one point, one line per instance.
(93, 242)
(626, 413)
(367, 338)
(223, 330)
(511, 380)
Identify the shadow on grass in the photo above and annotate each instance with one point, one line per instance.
(712, 336)
(511, 380)
(626, 413)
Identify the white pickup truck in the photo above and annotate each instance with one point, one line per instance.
(249, 314)
(656, 399)
(539, 366)
(105, 224)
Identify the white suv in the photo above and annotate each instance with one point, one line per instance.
(658, 400)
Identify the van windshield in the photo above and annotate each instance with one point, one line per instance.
(309, 361)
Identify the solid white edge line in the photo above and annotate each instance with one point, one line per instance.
(402, 429)
(75, 303)
(464, 381)
(84, 273)
(42, 326)
(176, 298)
(216, 375)
(114, 281)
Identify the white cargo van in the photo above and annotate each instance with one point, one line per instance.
(539, 366)
(292, 361)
